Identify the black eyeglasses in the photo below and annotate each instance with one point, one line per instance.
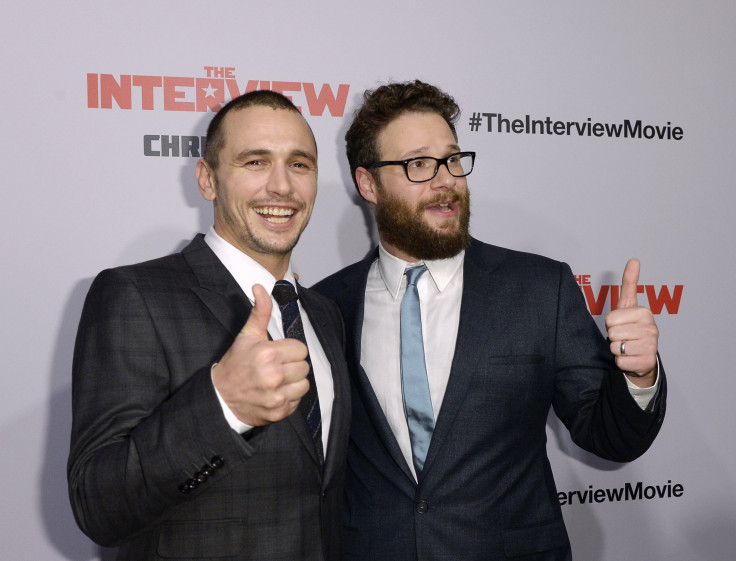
(425, 168)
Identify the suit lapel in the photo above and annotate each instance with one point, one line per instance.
(217, 288)
(352, 304)
(473, 342)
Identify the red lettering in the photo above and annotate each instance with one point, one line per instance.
(210, 94)
(232, 87)
(335, 103)
(615, 293)
(283, 87)
(595, 305)
(173, 96)
(110, 89)
(664, 299)
(93, 94)
(146, 84)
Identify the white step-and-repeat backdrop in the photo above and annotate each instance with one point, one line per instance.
(604, 130)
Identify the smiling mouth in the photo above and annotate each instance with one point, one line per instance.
(275, 215)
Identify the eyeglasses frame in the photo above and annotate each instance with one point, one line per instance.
(438, 163)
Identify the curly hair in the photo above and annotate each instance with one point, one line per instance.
(384, 104)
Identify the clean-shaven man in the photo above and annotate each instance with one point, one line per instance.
(210, 419)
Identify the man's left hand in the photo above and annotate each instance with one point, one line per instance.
(633, 333)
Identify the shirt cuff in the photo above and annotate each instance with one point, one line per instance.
(643, 396)
(236, 424)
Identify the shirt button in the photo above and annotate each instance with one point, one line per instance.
(422, 507)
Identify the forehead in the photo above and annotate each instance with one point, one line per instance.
(415, 133)
(265, 128)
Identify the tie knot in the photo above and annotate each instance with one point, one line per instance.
(284, 292)
(413, 273)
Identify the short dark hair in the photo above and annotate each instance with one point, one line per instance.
(384, 104)
(215, 137)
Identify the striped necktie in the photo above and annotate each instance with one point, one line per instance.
(285, 294)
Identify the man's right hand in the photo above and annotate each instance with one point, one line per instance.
(262, 381)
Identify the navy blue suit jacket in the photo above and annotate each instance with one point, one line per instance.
(526, 342)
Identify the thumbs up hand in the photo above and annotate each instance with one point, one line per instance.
(262, 381)
(633, 333)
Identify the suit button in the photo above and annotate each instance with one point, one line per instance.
(192, 483)
(207, 470)
(201, 477)
(216, 462)
(422, 507)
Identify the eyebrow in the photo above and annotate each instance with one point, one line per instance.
(419, 152)
(245, 154)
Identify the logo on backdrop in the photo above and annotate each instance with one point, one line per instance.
(660, 299)
(206, 93)
(629, 492)
(497, 123)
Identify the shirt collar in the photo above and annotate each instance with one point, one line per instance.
(245, 270)
(441, 271)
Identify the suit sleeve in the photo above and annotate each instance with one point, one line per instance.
(141, 439)
(591, 396)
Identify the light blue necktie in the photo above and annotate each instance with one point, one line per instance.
(414, 384)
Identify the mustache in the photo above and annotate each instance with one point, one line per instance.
(449, 197)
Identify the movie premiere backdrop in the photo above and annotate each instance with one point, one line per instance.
(604, 130)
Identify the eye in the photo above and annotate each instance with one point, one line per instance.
(301, 166)
(418, 163)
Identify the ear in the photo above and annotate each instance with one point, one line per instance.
(366, 184)
(206, 181)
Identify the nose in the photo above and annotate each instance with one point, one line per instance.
(279, 182)
(444, 179)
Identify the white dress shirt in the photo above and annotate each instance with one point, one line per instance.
(440, 291)
(440, 294)
(248, 272)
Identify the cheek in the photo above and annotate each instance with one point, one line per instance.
(308, 191)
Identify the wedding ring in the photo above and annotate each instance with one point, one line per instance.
(623, 347)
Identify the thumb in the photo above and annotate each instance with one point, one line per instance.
(257, 324)
(628, 285)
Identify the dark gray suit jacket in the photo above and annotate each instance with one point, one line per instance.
(526, 342)
(154, 466)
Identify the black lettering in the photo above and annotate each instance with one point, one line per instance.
(170, 146)
(147, 145)
(632, 132)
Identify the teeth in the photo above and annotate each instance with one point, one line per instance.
(274, 211)
(274, 214)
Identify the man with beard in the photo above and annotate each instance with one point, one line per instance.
(210, 422)
(457, 351)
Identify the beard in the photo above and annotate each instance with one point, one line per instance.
(404, 227)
